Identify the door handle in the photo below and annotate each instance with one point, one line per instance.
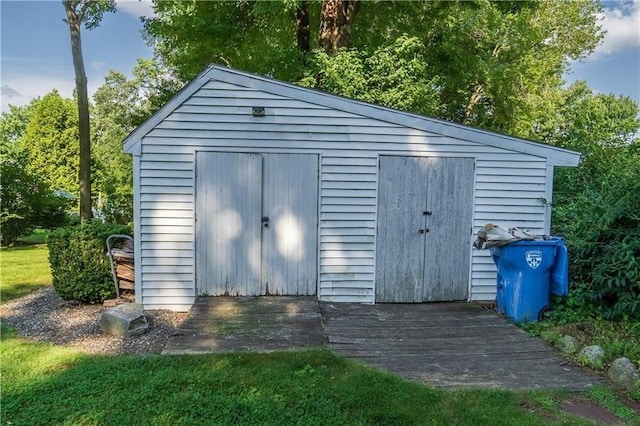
(423, 231)
(265, 221)
(427, 213)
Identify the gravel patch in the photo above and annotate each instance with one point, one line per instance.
(42, 316)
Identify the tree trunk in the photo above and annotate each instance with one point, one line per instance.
(335, 23)
(476, 97)
(74, 23)
(303, 32)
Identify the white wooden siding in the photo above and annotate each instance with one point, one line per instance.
(166, 231)
(217, 117)
(499, 200)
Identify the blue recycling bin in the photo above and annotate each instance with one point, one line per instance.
(528, 272)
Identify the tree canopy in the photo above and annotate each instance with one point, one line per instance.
(498, 65)
(596, 205)
(26, 198)
(50, 142)
(119, 106)
(13, 123)
(26, 201)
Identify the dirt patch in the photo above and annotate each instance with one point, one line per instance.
(634, 405)
(581, 406)
(42, 316)
(590, 410)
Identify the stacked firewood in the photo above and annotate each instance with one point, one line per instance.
(123, 266)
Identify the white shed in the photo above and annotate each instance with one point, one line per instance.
(250, 186)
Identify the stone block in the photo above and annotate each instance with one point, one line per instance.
(623, 372)
(592, 356)
(124, 320)
(568, 345)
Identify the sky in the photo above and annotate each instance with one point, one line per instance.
(36, 54)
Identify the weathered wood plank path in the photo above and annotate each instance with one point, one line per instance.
(260, 324)
(447, 345)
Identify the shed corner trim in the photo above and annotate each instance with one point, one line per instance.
(563, 157)
(133, 146)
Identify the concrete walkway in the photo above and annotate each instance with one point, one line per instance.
(449, 345)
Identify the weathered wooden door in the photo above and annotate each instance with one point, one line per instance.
(424, 229)
(402, 188)
(228, 213)
(256, 224)
(289, 228)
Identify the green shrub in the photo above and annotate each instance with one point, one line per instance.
(117, 208)
(79, 265)
(599, 213)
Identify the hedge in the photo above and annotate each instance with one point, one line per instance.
(79, 264)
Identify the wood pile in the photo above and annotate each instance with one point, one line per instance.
(122, 267)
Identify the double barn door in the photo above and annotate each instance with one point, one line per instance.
(256, 224)
(424, 229)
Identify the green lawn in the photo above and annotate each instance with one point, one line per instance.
(24, 269)
(45, 384)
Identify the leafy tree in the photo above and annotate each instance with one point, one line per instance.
(120, 105)
(596, 205)
(501, 62)
(26, 201)
(26, 198)
(592, 124)
(251, 35)
(13, 123)
(88, 13)
(394, 75)
(50, 142)
(155, 86)
(498, 65)
(113, 105)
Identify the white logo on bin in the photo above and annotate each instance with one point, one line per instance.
(534, 258)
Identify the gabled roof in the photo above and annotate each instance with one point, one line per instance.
(555, 156)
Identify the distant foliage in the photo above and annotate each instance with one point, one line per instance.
(50, 140)
(26, 202)
(13, 123)
(119, 106)
(79, 264)
(597, 205)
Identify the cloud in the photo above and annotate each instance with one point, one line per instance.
(621, 21)
(97, 65)
(19, 90)
(28, 87)
(137, 8)
(8, 92)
